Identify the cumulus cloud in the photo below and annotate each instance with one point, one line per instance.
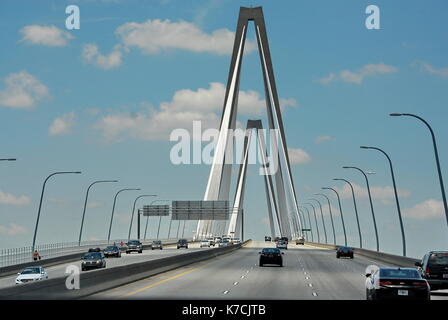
(298, 156)
(385, 194)
(358, 76)
(45, 35)
(186, 106)
(10, 199)
(62, 125)
(320, 139)
(153, 36)
(12, 230)
(429, 209)
(91, 54)
(442, 72)
(22, 90)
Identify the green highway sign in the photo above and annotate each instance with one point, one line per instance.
(306, 229)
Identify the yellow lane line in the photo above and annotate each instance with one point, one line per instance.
(163, 281)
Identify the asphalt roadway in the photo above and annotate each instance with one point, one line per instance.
(308, 273)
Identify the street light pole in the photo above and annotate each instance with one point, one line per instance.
(315, 218)
(371, 205)
(356, 209)
(147, 217)
(309, 222)
(436, 154)
(331, 214)
(41, 198)
(396, 194)
(133, 210)
(113, 209)
(340, 210)
(85, 205)
(322, 215)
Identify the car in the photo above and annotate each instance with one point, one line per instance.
(271, 256)
(434, 268)
(396, 283)
(156, 244)
(217, 240)
(282, 244)
(211, 241)
(300, 240)
(267, 238)
(224, 242)
(30, 274)
(112, 251)
(93, 260)
(236, 240)
(285, 239)
(344, 252)
(276, 239)
(182, 243)
(95, 250)
(134, 246)
(205, 243)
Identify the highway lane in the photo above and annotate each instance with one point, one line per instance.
(59, 270)
(308, 273)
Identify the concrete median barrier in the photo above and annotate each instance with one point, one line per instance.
(386, 258)
(105, 279)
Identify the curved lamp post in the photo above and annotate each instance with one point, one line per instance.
(356, 209)
(436, 154)
(113, 209)
(331, 214)
(371, 205)
(340, 210)
(41, 198)
(315, 218)
(322, 216)
(133, 210)
(396, 194)
(85, 205)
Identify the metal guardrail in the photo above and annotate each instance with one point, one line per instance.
(14, 256)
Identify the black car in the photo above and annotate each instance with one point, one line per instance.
(267, 238)
(271, 256)
(344, 252)
(396, 283)
(434, 268)
(95, 250)
(134, 246)
(93, 260)
(285, 239)
(182, 243)
(112, 251)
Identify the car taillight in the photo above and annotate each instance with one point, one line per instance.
(419, 284)
(350, 252)
(427, 270)
(385, 283)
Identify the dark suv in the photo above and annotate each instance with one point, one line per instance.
(182, 243)
(134, 245)
(93, 260)
(344, 252)
(271, 256)
(434, 268)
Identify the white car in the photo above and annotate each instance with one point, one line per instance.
(205, 243)
(224, 243)
(31, 274)
(236, 240)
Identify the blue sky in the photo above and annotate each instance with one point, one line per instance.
(97, 100)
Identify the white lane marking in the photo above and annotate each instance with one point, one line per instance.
(314, 294)
(226, 292)
(247, 271)
(235, 283)
(310, 285)
(307, 278)
(242, 277)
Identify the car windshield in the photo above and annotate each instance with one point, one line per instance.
(345, 249)
(399, 273)
(30, 271)
(157, 242)
(111, 248)
(439, 259)
(270, 250)
(134, 242)
(92, 256)
(182, 241)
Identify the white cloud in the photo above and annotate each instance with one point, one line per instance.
(62, 125)
(442, 72)
(385, 194)
(298, 156)
(428, 209)
(45, 35)
(358, 76)
(153, 36)
(320, 139)
(95, 204)
(22, 91)
(91, 54)
(12, 230)
(186, 106)
(10, 199)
